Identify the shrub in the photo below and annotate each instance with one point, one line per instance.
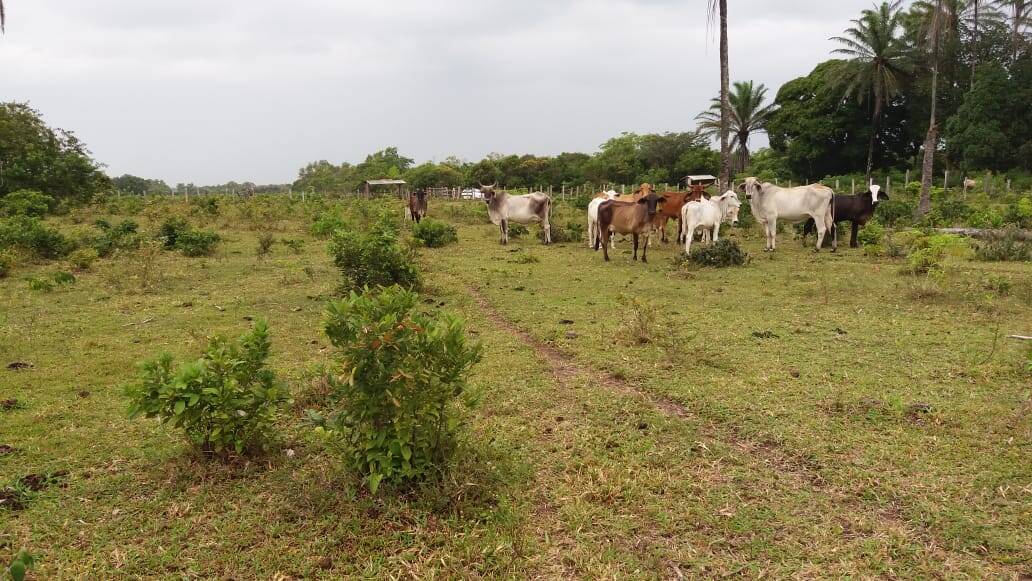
(20, 565)
(581, 201)
(571, 232)
(6, 263)
(265, 242)
(297, 246)
(896, 210)
(1008, 247)
(225, 402)
(517, 230)
(871, 234)
(170, 231)
(206, 205)
(404, 373)
(1019, 213)
(434, 234)
(83, 258)
(30, 234)
(985, 218)
(722, 253)
(111, 238)
(373, 258)
(197, 242)
(327, 223)
(62, 277)
(931, 254)
(40, 284)
(26, 203)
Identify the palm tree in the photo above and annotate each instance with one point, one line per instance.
(748, 116)
(719, 8)
(935, 23)
(879, 62)
(1020, 17)
(3, 17)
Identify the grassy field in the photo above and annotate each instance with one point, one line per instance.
(807, 415)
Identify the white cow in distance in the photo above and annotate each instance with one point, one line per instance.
(769, 203)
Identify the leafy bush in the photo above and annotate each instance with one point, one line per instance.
(896, 210)
(265, 242)
(197, 242)
(83, 258)
(206, 205)
(6, 263)
(296, 246)
(327, 223)
(1019, 213)
(871, 234)
(40, 284)
(20, 565)
(62, 277)
(111, 238)
(170, 231)
(26, 203)
(722, 253)
(434, 233)
(517, 230)
(373, 258)
(571, 232)
(404, 373)
(1008, 247)
(985, 218)
(226, 401)
(31, 235)
(581, 201)
(931, 254)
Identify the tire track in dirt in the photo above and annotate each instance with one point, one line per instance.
(564, 370)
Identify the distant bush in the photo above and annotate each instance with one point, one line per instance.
(434, 233)
(265, 242)
(40, 284)
(581, 201)
(897, 210)
(1019, 213)
(327, 223)
(31, 235)
(931, 253)
(206, 205)
(871, 234)
(724, 252)
(571, 232)
(6, 263)
(62, 277)
(83, 258)
(26, 203)
(405, 371)
(226, 401)
(517, 230)
(176, 234)
(374, 257)
(111, 238)
(294, 244)
(1006, 248)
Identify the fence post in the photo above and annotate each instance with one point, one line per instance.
(1008, 185)
(852, 186)
(946, 180)
(776, 182)
(836, 185)
(888, 184)
(906, 180)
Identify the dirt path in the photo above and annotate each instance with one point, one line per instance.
(565, 370)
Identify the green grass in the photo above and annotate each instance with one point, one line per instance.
(761, 420)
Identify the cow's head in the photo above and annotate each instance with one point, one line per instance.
(420, 195)
(488, 191)
(751, 186)
(731, 205)
(876, 194)
(651, 201)
(645, 189)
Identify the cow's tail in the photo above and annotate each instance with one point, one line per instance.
(834, 226)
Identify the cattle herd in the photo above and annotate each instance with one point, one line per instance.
(646, 211)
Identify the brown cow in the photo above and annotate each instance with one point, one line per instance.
(417, 205)
(634, 218)
(642, 191)
(670, 209)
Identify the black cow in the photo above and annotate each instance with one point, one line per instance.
(417, 205)
(855, 209)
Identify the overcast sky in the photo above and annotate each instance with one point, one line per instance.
(207, 91)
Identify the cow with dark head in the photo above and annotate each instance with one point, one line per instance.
(857, 210)
(637, 218)
(417, 205)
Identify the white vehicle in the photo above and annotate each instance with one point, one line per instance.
(471, 194)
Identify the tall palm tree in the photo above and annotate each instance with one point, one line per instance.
(879, 62)
(3, 17)
(718, 8)
(935, 23)
(1020, 19)
(749, 115)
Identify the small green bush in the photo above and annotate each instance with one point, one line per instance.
(930, 254)
(403, 374)
(1019, 213)
(26, 203)
(265, 242)
(62, 277)
(32, 235)
(1008, 247)
(373, 258)
(206, 205)
(724, 252)
(296, 246)
(570, 232)
(434, 233)
(20, 565)
(170, 231)
(111, 238)
(7, 262)
(517, 230)
(871, 234)
(40, 284)
(226, 401)
(83, 258)
(896, 211)
(327, 223)
(197, 242)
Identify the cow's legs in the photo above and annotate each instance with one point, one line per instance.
(591, 233)
(821, 230)
(645, 249)
(689, 235)
(635, 238)
(772, 233)
(604, 240)
(504, 225)
(853, 243)
(548, 230)
(716, 232)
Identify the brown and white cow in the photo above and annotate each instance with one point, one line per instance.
(635, 218)
(670, 209)
(526, 209)
(417, 205)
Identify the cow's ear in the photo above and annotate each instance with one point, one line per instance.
(643, 200)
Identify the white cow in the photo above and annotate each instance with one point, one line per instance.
(769, 203)
(708, 214)
(593, 205)
(525, 209)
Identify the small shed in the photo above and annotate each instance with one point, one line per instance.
(370, 184)
(699, 183)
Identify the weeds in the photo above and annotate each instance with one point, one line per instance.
(434, 234)
(722, 253)
(265, 242)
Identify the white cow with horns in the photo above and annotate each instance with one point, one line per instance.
(769, 203)
(503, 208)
(708, 214)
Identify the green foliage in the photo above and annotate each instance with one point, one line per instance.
(897, 210)
(1008, 247)
(994, 121)
(206, 205)
(296, 245)
(572, 231)
(131, 184)
(517, 230)
(83, 258)
(403, 374)
(373, 257)
(225, 402)
(176, 234)
(62, 277)
(40, 284)
(327, 223)
(6, 263)
(26, 203)
(1019, 213)
(37, 157)
(111, 238)
(871, 234)
(265, 242)
(20, 565)
(32, 235)
(932, 253)
(434, 234)
(724, 252)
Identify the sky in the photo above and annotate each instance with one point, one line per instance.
(208, 91)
